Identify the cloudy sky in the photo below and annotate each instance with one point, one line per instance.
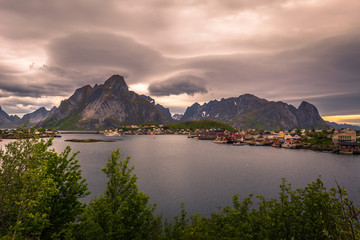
(183, 51)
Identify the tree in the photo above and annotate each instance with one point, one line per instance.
(308, 213)
(122, 212)
(64, 207)
(39, 190)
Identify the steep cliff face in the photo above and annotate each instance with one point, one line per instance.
(249, 111)
(309, 116)
(106, 105)
(74, 104)
(165, 111)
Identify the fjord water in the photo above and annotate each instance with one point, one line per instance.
(173, 168)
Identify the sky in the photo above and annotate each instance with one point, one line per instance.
(183, 51)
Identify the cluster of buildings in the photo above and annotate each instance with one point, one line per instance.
(346, 141)
(138, 130)
(342, 141)
(27, 133)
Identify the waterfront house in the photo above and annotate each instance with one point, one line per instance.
(348, 147)
(345, 141)
(346, 135)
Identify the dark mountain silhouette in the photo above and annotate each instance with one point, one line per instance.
(249, 111)
(107, 105)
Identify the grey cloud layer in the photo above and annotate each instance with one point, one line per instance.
(87, 51)
(285, 50)
(178, 85)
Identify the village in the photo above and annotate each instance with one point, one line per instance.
(22, 133)
(343, 141)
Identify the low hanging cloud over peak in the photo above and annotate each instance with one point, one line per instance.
(177, 85)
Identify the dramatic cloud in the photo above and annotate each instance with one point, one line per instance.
(283, 50)
(96, 50)
(178, 85)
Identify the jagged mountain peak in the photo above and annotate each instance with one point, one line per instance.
(36, 116)
(196, 104)
(117, 82)
(106, 105)
(249, 95)
(29, 119)
(41, 109)
(306, 105)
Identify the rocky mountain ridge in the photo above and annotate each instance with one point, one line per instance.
(112, 105)
(7, 121)
(107, 105)
(249, 111)
(343, 126)
(30, 119)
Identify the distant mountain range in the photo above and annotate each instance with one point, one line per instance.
(343, 125)
(249, 111)
(30, 119)
(112, 105)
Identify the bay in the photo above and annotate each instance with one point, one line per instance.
(173, 168)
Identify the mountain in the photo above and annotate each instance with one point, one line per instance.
(343, 125)
(37, 116)
(249, 111)
(29, 119)
(165, 111)
(177, 116)
(7, 121)
(107, 105)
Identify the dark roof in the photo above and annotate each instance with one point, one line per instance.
(349, 143)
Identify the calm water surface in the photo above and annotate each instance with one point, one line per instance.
(173, 168)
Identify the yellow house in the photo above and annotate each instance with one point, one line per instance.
(346, 135)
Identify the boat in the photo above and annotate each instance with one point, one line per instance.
(111, 134)
(348, 152)
(57, 135)
(256, 143)
(288, 144)
(238, 143)
(219, 140)
(276, 145)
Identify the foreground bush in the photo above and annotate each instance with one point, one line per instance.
(39, 190)
(309, 213)
(122, 212)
